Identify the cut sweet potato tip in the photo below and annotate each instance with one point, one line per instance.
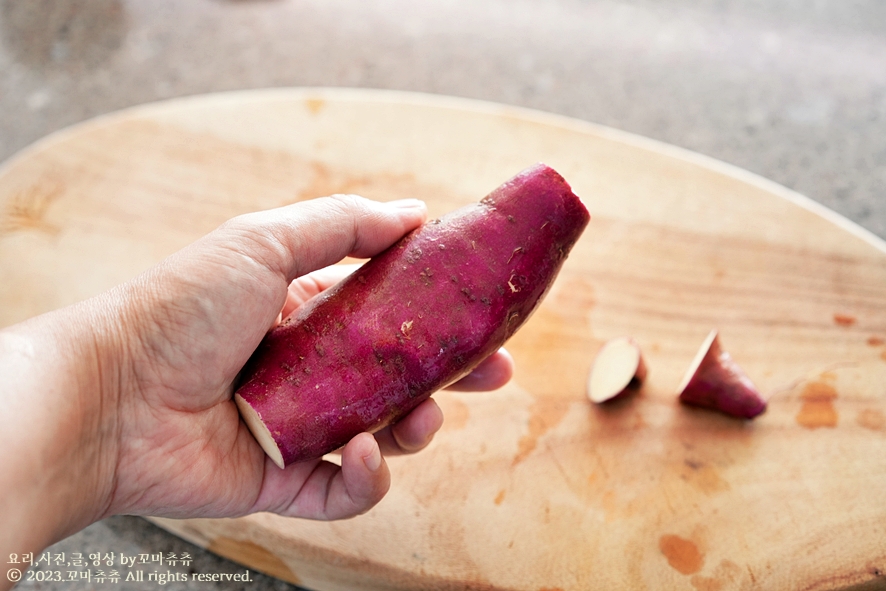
(618, 365)
(259, 430)
(715, 381)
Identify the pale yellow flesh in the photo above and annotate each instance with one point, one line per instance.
(615, 365)
(259, 430)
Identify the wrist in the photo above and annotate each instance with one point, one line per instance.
(58, 426)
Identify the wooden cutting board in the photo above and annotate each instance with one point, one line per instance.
(530, 487)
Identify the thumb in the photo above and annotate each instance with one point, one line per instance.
(296, 239)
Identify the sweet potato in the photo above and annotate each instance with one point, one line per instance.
(618, 368)
(413, 319)
(715, 381)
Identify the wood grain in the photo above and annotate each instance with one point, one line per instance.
(530, 487)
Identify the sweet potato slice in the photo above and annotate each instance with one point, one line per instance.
(714, 380)
(618, 367)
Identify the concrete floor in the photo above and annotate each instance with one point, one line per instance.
(792, 90)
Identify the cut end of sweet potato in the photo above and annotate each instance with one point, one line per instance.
(715, 381)
(617, 366)
(703, 352)
(259, 430)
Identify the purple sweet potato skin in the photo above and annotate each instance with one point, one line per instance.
(720, 384)
(414, 319)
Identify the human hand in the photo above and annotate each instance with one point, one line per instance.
(122, 404)
(195, 320)
(170, 344)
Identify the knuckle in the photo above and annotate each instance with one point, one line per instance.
(349, 206)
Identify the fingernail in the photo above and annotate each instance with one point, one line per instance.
(407, 204)
(373, 459)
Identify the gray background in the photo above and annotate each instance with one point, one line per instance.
(792, 90)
